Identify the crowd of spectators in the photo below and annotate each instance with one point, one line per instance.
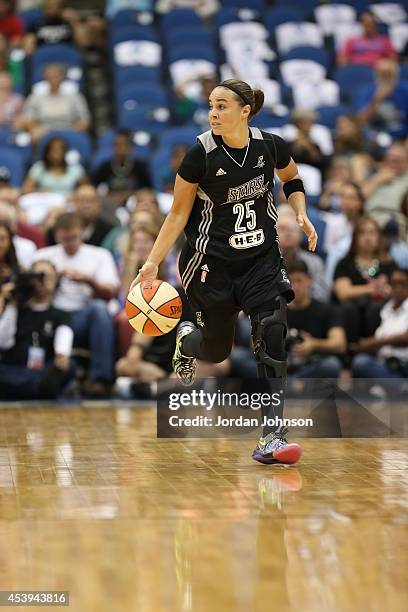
(74, 233)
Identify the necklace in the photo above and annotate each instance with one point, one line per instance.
(367, 270)
(234, 160)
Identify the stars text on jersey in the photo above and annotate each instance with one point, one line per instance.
(254, 188)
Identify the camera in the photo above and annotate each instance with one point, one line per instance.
(293, 337)
(24, 285)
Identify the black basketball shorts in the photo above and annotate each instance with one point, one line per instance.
(251, 285)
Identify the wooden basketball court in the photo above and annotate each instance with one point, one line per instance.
(91, 502)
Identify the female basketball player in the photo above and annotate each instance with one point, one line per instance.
(231, 261)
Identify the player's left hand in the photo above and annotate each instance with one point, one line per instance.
(308, 228)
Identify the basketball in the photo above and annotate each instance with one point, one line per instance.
(154, 311)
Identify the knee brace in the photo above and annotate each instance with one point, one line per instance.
(269, 332)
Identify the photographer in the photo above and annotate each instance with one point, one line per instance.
(315, 336)
(35, 338)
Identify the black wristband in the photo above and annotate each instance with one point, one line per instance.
(293, 186)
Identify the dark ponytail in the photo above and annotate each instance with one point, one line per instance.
(259, 99)
(245, 95)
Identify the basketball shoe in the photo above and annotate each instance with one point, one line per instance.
(184, 367)
(274, 448)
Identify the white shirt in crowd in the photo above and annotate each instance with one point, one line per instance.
(25, 250)
(93, 261)
(393, 322)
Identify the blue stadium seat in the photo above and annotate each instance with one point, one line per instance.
(179, 17)
(188, 35)
(255, 5)
(142, 94)
(321, 56)
(124, 17)
(327, 115)
(158, 161)
(18, 141)
(226, 15)
(307, 6)
(31, 18)
(126, 75)
(54, 54)
(282, 14)
(78, 141)
(353, 76)
(142, 120)
(192, 51)
(133, 32)
(12, 159)
(186, 135)
(267, 120)
(404, 71)
(359, 5)
(6, 136)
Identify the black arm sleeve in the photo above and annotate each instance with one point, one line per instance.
(192, 168)
(278, 148)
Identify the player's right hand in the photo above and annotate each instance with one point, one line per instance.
(147, 274)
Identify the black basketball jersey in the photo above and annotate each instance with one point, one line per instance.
(234, 213)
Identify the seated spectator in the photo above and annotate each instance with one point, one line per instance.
(168, 175)
(58, 25)
(117, 240)
(385, 355)
(362, 276)
(385, 189)
(369, 48)
(191, 98)
(11, 104)
(146, 200)
(349, 142)
(383, 106)
(338, 172)
(304, 150)
(290, 239)
(54, 110)
(35, 338)
(404, 216)
(119, 177)
(396, 247)
(340, 226)
(88, 281)
(24, 247)
(88, 207)
(315, 337)
(15, 217)
(11, 25)
(52, 173)
(8, 256)
(141, 241)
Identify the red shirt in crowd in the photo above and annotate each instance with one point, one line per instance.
(368, 51)
(12, 27)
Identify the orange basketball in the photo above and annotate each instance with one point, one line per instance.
(154, 311)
